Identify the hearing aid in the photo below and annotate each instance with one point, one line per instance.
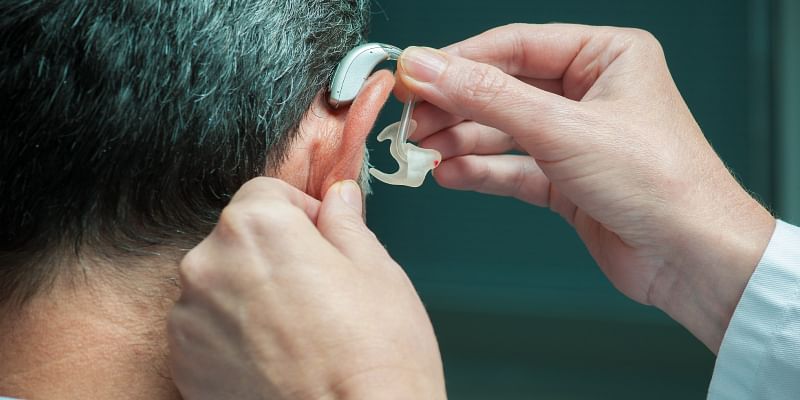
(413, 162)
(355, 68)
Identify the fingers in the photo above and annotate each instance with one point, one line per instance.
(263, 189)
(576, 55)
(431, 119)
(555, 86)
(268, 214)
(341, 222)
(504, 175)
(535, 51)
(469, 138)
(485, 94)
(263, 221)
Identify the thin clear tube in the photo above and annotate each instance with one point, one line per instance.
(405, 126)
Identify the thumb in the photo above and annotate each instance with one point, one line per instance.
(341, 221)
(485, 94)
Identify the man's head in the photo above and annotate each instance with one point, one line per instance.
(128, 125)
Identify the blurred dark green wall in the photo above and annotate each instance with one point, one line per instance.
(520, 309)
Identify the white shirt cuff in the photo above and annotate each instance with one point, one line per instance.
(760, 354)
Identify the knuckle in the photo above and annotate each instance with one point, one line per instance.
(230, 222)
(511, 28)
(194, 271)
(275, 216)
(255, 218)
(644, 38)
(349, 226)
(256, 185)
(518, 181)
(482, 175)
(259, 183)
(641, 35)
(482, 84)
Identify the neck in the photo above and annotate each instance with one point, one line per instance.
(88, 342)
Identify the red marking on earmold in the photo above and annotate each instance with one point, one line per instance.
(435, 163)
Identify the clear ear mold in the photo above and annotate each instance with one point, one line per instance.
(413, 162)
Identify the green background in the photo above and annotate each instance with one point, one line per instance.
(519, 307)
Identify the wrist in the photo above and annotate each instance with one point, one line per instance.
(716, 253)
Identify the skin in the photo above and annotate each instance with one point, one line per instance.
(315, 309)
(293, 298)
(608, 143)
(341, 321)
(90, 341)
(103, 334)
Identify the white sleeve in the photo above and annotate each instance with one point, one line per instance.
(760, 354)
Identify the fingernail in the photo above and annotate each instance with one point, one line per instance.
(351, 194)
(423, 64)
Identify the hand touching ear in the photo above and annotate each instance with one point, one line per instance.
(290, 298)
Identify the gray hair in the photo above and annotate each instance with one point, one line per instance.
(129, 124)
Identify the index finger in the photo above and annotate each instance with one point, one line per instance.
(534, 51)
(263, 189)
(540, 55)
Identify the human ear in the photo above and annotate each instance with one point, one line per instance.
(335, 139)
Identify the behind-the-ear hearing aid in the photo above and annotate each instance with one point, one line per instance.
(355, 68)
(413, 162)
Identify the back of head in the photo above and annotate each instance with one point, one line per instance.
(127, 125)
